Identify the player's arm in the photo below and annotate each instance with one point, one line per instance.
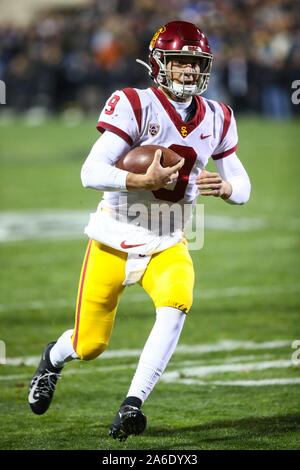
(99, 171)
(231, 182)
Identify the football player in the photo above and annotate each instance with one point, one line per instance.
(121, 250)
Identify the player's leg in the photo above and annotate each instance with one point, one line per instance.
(100, 288)
(169, 280)
(99, 291)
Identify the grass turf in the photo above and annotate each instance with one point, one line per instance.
(247, 289)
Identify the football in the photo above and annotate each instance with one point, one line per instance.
(140, 158)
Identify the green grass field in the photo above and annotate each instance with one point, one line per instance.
(232, 383)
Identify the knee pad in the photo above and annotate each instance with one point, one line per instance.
(89, 351)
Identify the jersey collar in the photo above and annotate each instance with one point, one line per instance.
(184, 128)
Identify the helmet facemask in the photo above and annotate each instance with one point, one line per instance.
(185, 89)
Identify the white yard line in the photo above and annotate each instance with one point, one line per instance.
(69, 224)
(224, 345)
(237, 383)
(223, 368)
(69, 371)
(230, 345)
(176, 376)
(190, 375)
(236, 291)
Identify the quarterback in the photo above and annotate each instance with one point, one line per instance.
(122, 251)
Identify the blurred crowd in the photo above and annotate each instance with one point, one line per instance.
(74, 58)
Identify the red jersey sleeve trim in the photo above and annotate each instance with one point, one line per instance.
(224, 154)
(135, 102)
(103, 126)
(227, 119)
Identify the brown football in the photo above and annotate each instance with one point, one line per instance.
(139, 159)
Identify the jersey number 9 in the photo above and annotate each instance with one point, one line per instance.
(111, 104)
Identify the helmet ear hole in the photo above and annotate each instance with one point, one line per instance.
(154, 66)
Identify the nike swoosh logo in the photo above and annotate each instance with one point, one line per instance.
(205, 136)
(31, 398)
(124, 245)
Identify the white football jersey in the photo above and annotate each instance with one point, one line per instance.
(146, 117)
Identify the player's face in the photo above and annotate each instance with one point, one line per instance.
(184, 70)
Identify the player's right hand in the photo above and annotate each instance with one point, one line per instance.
(157, 176)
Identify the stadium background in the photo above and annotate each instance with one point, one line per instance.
(233, 365)
(73, 56)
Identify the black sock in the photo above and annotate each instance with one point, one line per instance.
(133, 401)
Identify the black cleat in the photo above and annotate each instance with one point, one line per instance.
(128, 420)
(43, 383)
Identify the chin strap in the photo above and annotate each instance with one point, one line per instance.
(184, 90)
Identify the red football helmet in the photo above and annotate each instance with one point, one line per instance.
(179, 39)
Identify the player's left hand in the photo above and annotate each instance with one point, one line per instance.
(211, 184)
